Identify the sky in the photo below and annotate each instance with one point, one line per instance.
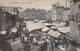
(42, 4)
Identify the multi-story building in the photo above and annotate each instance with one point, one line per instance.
(57, 12)
(7, 20)
(49, 15)
(75, 20)
(11, 9)
(66, 13)
(34, 14)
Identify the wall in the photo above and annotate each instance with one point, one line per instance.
(34, 14)
(66, 15)
(74, 23)
(57, 12)
(74, 10)
(7, 21)
(54, 15)
(49, 15)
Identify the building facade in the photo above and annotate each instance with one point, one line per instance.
(33, 14)
(49, 15)
(11, 9)
(75, 20)
(7, 20)
(66, 13)
(57, 12)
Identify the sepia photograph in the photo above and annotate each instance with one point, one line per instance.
(39, 25)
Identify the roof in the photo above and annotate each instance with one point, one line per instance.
(64, 29)
(55, 34)
(46, 24)
(53, 27)
(59, 25)
(50, 11)
(53, 5)
(35, 31)
(31, 25)
(14, 29)
(3, 32)
(45, 29)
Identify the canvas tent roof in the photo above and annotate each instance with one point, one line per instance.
(45, 29)
(14, 29)
(64, 29)
(47, 24)
(31, 26)
(55, 34)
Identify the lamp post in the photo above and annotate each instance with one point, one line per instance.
(16, 13)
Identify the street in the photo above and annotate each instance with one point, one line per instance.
(19, 46)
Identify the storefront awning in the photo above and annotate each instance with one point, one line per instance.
(64, 29)
(45, 29)
(53, 27)
(14, 29)
(3, 32)
(33, 34)
(47, 24)
(32, 26)
(55, 34)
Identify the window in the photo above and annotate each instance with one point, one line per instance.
(77, 16)
(27, 11)
(32, 14)
(72, 18)
(53, 13)
(79, 6)
(79, 27)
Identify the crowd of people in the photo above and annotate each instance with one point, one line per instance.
(32, 41)
(27, 40)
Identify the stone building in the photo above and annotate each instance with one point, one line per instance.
(66, 13)
(11, 9)
(75, 20)
(33, 14)
(7, 20)
(49, 15)
(57, 12)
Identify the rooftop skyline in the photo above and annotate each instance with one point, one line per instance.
(42, 4)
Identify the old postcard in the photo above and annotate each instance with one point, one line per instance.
(39, 25)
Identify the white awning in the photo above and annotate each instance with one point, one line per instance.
(3, 32)
(62, 23)
(59, 25)
(31, 25)
(61, 48)
(53, 27)
(45, 29)
(33, 34)
(47, 24)
(55, 34)
(14, 29)
(64, 29)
